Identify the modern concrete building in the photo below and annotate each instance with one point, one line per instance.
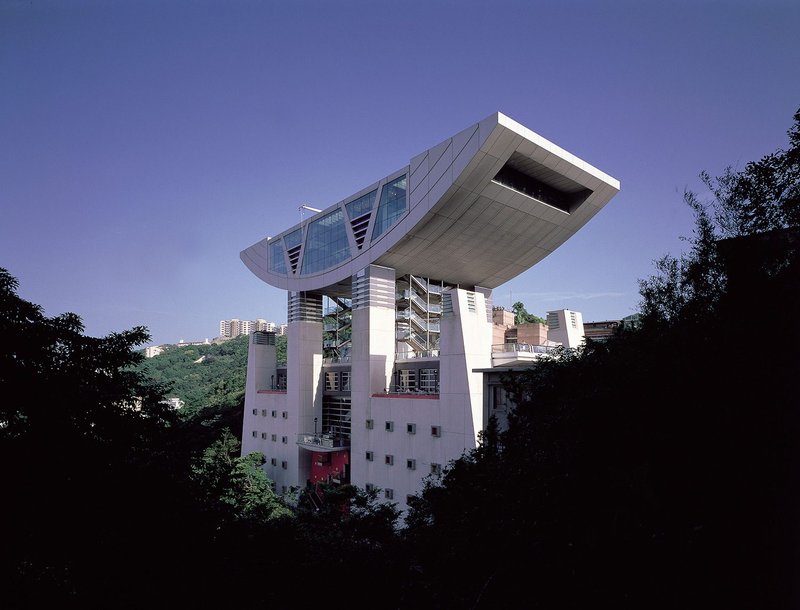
(390, 307)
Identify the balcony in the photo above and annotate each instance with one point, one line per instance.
(322, 442)
(515, 354)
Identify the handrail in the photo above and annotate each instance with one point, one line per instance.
(523, 347)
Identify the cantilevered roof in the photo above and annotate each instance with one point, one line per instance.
(476, 210)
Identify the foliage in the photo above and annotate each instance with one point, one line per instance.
(763, 197)
(235, 485)
(521, 316)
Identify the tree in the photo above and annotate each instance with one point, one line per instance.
(763, 197)
(521, 316)
(235, 486)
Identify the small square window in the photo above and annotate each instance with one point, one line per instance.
(411, 464)
(284, 464)
(370, 456)
(390, 426)
(370, 424)
(263, 412)
(411, 428)
(255, 434)
(274, 414)
(389, 493)
(436, 431)
(264, 435)
(389, 460)
(369, 487)
(274, 462)
(274, 438)
(284, 439)
(255, 411)
(286, 415)
(436, 469)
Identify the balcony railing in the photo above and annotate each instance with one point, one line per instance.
(421, 353)
(523, 347)
(336, 360)
(322, 442)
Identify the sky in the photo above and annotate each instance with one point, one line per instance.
(144, 145)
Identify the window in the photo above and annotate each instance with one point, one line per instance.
(391, 207)
(429, 380)
(436, 469)
(274, 438)
(345, 377)
(436, 431)
(276, 261)
(285, 415)
(390, 426)
(264, 435)
(389, 494)
(370, 424)
(283, 489)
(370, 456)
(284, 439)
(326, 243)
(389, 460)
(284, 464)
(411, 428)
(274, 462)
(255, 411)
(407, 380)
(255, 434)
(369, 487)
(274, 414)
(263, 412)
(411, 464)
(331, 381)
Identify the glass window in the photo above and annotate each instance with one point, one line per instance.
(391, 207)
(361, 206)
(293, 239)
(326, 243)
(276, 261)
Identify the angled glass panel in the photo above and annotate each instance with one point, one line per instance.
(362, 205)
(293, 239)
(326, 243)
(277, 262)
(391, 207)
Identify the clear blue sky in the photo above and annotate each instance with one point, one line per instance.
(143, 145)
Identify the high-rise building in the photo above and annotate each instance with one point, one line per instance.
(235, 327)
(389, 293)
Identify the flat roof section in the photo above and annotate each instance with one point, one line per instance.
(477, 209)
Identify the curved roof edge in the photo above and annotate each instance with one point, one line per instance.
(481, 207)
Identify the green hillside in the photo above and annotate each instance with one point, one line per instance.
(205, 375)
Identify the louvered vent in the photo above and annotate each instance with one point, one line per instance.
(359, 226)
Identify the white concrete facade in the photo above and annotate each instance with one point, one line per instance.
(410, 262)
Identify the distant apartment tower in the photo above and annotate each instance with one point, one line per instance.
(235, 327)
(155, 350)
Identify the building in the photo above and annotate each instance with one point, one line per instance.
(601, 331)
(154, 350)
(235, 327)
(390, 312)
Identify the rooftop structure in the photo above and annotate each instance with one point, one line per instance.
(389, 307)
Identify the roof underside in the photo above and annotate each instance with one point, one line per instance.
(483, 207)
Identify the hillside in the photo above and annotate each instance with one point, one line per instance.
(205, 375)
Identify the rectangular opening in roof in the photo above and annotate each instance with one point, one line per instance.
(530, 178)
